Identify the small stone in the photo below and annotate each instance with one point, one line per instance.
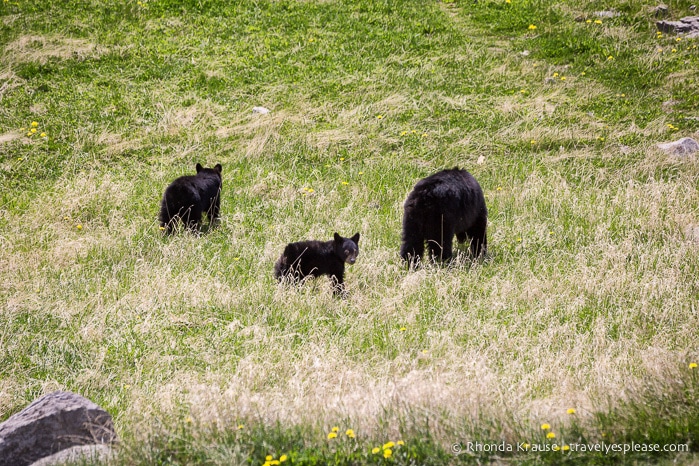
(607, 14)
(661, 10)
(260, 110)
(682, 147)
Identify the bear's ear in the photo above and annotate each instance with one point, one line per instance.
(355, 238)
(199, 168)
(218, 167)
(338, 238)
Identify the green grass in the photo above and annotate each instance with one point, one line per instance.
(587, 299)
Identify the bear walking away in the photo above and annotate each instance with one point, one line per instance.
(316, 258)
(440, 206)
(188, 197)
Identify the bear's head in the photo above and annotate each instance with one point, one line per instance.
(347, 249)
(217, 169)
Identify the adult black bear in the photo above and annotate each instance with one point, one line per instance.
(444, 204)
(188, 197)
(316, 258)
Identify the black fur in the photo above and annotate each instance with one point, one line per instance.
(440, 206)
(316, 258)
(188, 197)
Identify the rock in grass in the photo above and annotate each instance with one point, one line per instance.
(684, 146)
(50, 424)
(688, 25)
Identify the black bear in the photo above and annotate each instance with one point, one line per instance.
(440, 206)
(316, 258)
(188, 197)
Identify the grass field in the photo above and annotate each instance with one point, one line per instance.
(584, 316)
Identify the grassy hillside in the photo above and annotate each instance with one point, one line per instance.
(583, 316)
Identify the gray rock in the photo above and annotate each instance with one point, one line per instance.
(688, 25)
(79, 454)
(607, 14)
(661, 10)
(50, 424)
(684, 146)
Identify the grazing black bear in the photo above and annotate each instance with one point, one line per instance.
(188, 197)
(444, 204)
(316, 258)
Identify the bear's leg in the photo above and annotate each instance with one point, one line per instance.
(413, 243)
(338, 285)
(440, 238)
(461, 237)
(192, 218)
(214, 209)
(479, 240)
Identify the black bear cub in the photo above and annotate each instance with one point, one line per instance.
(188, 197)
(440, 206)
(316, 258)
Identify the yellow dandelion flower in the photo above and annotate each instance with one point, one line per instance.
(678, 39)
(550, 435)
(43, 135)
(345, 183)
(341, 159)
(79, 226)
(350, 433)
(526, 446)
(403, 133)
(532, 142)
(283, 458)
(403, 329)
(127, 386)
(583, 73)
(269, 458)
(545, 426)
(375, 450)
(388, 445)
(413, 131)
(361, 173)
(508, 1)
(566, 448)
(400, 443)
(335, 429)
(274, 463)
(555, 75)
(241, 426)
(379, 117)
(332, 435)
(34, 124)
(571, 411)
(499, 188)
(33, 130)
(692, 365)
(588, 21)
(556, 448)
(188, 419)
(162, 228)
(674, 50)
(610, 57)
(387, 453)
(236, 258)
(660, 50)
(424, 135)
(598, 21)
(532, 27)
(563, 78)
(424, 351)
(523, 91)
